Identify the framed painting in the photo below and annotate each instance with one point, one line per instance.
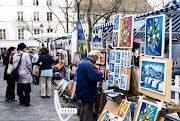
(76, 58)
(117, 82)
(112, 55)
(118, 57)
(153, 75)
(105, 115)
(126, 54)
(124, 63)
(115, 39)
(67, 74)
(111, 67)
(97, 41)
(70, 90)
(65, 55)
(126, 32)
(124, 70)
(123, 109)
(62, 86)
(116, 19)
(146, 111)
(111, 79)
(123, 82)
(83, 48)
(117, 71)
(128, 63)
(154, 36)
(129, 55)
(102, 59)
(123, 54)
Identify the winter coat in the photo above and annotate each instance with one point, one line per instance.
(46, 60)
(87, 78)
(6, 62)
(25, 67)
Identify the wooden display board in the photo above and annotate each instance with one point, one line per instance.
(167, 96)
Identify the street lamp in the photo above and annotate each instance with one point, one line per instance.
(41, 28)
(78, 4)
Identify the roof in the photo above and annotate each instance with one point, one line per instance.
(138, 6)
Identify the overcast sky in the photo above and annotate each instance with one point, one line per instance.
(157, 4)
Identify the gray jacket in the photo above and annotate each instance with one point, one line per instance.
(25, 67)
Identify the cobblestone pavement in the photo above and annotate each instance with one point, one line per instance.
(40, 109)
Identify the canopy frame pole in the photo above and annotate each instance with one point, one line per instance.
(170, 36)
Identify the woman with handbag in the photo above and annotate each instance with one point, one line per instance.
(10, 95)
(23, 62)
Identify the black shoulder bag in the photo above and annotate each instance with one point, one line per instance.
(15, 73)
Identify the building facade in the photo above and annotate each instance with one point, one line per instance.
(20, 19)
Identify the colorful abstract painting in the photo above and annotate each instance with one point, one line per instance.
(96, 41)
(126, 32)
(147, 111)
(155, 32)
(102, 59)
(116, 22)
(153, 75)
(115, 39)
(123, 109)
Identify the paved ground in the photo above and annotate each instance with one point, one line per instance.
(40, 109)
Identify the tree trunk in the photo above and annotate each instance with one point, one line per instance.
(89, 23)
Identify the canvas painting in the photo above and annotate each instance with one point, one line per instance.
(128, 63)
(67, 75)
(153, 75)
(123, 54)
(62, 86)
(83, 48)
(129, 54)
(126, 32)
(117, 71)
(118, 57)
(124, 70)
(111, 79)
(102, 59)
(147, 111)
(70, 91)
(116, 22)
(115, 39)
(126, 54)
(102, 68)
(112, 55)
(122, 62)
(117, 82)
(111, 67)
(105, 115)
(76, 58)
(123, 82)
(96, 41)
(155, 32)
(123, 109)
(64, 54)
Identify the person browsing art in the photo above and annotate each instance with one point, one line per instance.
(86, 90)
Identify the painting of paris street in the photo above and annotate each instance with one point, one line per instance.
(153, 75)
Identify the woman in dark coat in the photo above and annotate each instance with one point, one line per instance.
(10, 95)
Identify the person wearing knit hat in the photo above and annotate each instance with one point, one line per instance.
(25, 78)
(21, 46)
(86, 89)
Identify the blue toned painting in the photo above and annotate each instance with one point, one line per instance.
(111, 67)
(155, 36)
(147, 112)
(111, 79)
(153, 75)
(116, 22)
(117, 71)
(115, 39)
(124, 70)
(117, 81)
(123, 82)
(118, 57)
(97, 40)
(112, 55)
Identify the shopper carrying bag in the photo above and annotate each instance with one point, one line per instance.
(10, 66)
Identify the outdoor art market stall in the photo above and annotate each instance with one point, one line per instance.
(153, 95)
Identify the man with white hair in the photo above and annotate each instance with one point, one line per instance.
(86, 90)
